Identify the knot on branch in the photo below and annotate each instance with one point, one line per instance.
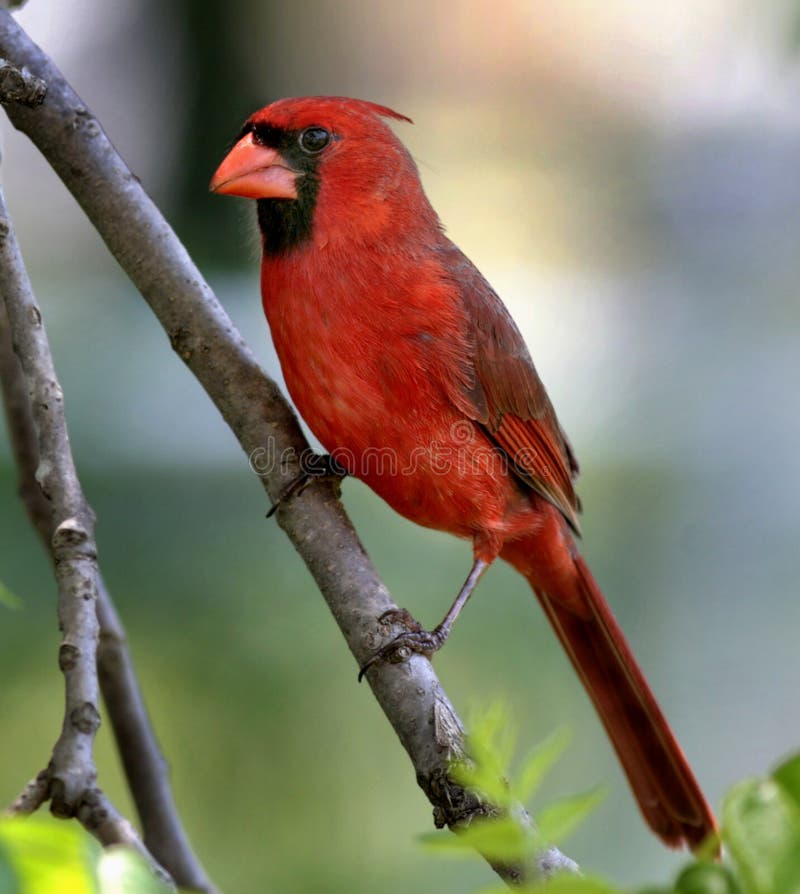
(70, 790)
(182, 342)
(85, 718)
(454, 805)
(19, 85)
(68, 656)
(448, 730)
(70, 533)
(71, 537)
(93, 809)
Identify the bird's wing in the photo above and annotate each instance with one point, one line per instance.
(506, 396)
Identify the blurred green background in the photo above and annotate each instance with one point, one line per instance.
(626, 175)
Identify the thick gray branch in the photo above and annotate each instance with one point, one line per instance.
(204, 337)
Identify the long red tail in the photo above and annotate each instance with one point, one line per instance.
(659, 774)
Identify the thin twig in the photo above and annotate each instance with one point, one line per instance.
(96, 814)
(31, 798)
(203, 335)
(72, 543)
(22, 435)
(143, 763)
(145, 767)
(69, 781)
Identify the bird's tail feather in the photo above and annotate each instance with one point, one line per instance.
(659, 774)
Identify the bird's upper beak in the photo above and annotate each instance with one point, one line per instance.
(255, 172)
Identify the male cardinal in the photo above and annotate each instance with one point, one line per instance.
(410, 371)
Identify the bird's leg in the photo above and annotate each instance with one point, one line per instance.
(313, 467)
(416, 640)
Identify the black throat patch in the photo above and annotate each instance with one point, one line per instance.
(287, 223)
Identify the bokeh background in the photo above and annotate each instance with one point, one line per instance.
(627, 175)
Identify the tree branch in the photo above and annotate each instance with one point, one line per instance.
(144, 765)
(72, 543)
(206, 340)
(69, 781)
(18, 85)
(145, 768)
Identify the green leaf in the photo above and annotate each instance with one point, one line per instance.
(122, 871)
(446, 842)
(559, 819)
(48, 856)
(8, 878)
(42, 855)
(538, 762)
(761, 826)
(563, 883)
(501, 839)
(9, 599)
(570, 883)
(706, 878)
(484, 776)
(788, 778)
(491, 747)
(493, 735)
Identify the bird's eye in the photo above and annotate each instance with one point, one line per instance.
(314, 139)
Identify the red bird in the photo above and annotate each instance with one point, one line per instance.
(411, 372)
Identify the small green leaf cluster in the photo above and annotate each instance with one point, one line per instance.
(509, 836)
(9, 599)
(760, 831)
(42, 855)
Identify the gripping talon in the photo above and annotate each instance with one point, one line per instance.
(312, 467)
(401, 617)
(294, 487)
(415, 641)
(393, 616)
(365, 667)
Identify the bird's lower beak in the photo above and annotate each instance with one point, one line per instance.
(255, 172)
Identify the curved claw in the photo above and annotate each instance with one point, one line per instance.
(391, 616)
(415, 639)
(314, 466)
(404, 645)
(294, 487)
(365, 667)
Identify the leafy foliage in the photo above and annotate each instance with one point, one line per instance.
(508, 837)
(9, 599)
(41, 855)
(760, 822)
(760, 832)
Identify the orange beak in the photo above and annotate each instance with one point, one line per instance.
(255, 172)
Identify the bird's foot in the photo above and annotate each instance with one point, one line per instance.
(415, 640)
(313, 467)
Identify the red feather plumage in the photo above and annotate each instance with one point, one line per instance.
(409, 369)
